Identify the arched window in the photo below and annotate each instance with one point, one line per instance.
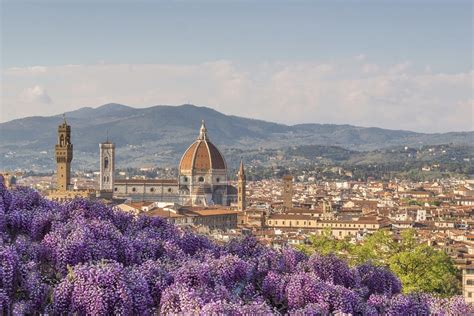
(61, 140)
(106, 162)
(201, 179)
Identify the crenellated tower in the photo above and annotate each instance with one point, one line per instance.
(242, 194)
(63, 152)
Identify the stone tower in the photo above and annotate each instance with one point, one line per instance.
(63, 151)
(242, 194)
(107, 166)
(287, 191)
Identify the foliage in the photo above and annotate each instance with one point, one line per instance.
(85, 258)
(421, 268)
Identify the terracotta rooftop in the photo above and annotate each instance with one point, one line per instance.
(202, 155)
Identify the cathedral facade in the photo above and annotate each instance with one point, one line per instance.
(202, 180)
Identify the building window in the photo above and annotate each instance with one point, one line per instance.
(218, 180)
(201, 179)
(134, 189)
(470, 282)
(169, 190)
(115, 189)
(106, 162)
(152, 190)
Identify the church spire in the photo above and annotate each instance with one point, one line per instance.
(203, 131)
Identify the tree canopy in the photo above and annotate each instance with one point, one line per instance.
(420, 267)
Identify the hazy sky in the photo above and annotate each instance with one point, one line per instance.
(392, 64)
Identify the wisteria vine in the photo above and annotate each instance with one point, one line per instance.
(85, 258)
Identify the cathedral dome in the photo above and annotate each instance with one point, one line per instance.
(202, 155)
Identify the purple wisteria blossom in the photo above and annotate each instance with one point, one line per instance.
(85, 258)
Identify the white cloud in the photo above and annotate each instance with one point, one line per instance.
(36, 94)
(362, 93)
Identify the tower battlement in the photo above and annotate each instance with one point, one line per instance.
(64, 154)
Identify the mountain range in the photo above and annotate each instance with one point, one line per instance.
(158, 135)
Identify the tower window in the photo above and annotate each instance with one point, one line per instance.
(106, 162)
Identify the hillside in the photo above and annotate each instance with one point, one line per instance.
(158, 135)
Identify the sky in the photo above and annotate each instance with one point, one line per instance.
(391, 64)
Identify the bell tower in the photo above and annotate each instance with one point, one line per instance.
(242, 194)
(107, 166)
(63, 151)
(288, 191)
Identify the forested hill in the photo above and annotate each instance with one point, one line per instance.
(165, 131)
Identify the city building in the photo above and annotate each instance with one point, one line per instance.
(338, 228)
(63, 151)
(64, 190)
(468, 283)
(288, 191)
(107, 166)
(8, 179)
(241, 190)
(202, 179)
(209, 218)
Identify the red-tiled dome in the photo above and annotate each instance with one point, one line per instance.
(202, 155)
